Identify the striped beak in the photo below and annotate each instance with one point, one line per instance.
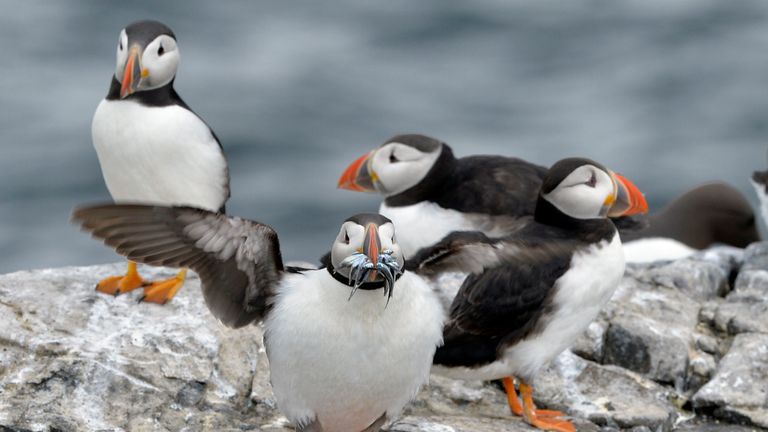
(627, 199)
(358, 176)
(133, 73)
(372, 247)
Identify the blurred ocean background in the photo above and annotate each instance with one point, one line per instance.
(670, 93)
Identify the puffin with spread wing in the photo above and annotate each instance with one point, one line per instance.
(348, 345)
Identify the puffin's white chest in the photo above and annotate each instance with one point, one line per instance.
(593, 276)
(424, 224)
(348, 362)
(763, 197)
(163, 155)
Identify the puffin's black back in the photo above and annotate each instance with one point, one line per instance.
(492, 185)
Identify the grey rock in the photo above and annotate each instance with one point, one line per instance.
(708, 344)
(73, 359)
(745, 309)
(738, 315)
(738, 391)
(651, 330)
(708, 311)
(605, 395)
(752, 281)
(701, 367)
(696, 277)
(590, 345)
(715, 426)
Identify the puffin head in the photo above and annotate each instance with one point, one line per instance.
(584, 189)
(147, 57)
(399, 164)
(366, 251)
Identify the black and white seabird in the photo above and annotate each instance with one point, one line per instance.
(713, 213)
(430, 193)
(760, 183)
(348, 345)
(151, 146)
(531, 294)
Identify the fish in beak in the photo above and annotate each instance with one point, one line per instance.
(359, 176)
(133, 73)
(627, 200)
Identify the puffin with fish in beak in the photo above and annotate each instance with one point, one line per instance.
(348, 345)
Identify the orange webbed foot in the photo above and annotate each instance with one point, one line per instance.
(549, 420)
(512, 399)
(161, 292)
(116, 285)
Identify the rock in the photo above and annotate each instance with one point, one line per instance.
(651, 330)
(742, 316)
(738, 391)
(590, 344)
(708, 344)
(73, 359)
(745, 309)
(605, 395)
(752, 281)
(700, 277)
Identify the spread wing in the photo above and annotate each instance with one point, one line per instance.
(238, 260)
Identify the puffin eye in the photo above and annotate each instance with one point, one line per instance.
(393, 158)
(592, 181)
(120, 45)
(161, 50)
(346, 238)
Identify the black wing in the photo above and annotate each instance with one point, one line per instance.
(238, 260)
(501, 305)
(461, 251)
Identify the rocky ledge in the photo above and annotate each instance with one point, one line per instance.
(683, 345)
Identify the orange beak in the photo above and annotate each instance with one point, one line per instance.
(358, 177)
(132, 74)
(629, 200)
(371, 246)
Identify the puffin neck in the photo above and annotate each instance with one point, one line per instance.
(159, 97)
(368, 286)
(441, 171)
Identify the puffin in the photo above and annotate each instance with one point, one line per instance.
(760, 183)
(348, 345)
(713, 213)
(151, 146)
(529, 295)
(429, 193)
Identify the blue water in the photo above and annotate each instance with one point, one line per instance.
(670, 93)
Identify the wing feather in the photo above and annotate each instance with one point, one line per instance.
(238, 260)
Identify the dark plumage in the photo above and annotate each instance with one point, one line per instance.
(492, 185)
(530, 293)
(709, 214)
(238, 260)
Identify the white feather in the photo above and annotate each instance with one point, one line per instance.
(763, 197)
(426, 223)
(593, 276)
(348, 362)
(162, 155)
(656, 249)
